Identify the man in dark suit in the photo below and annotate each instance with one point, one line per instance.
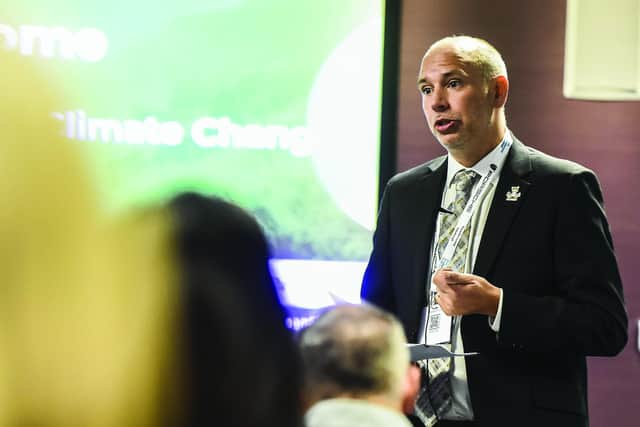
(537, 288)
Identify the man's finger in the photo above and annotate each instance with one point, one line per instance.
(455, 278)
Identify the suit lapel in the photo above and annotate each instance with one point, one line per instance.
(425, 201)
(504, 206)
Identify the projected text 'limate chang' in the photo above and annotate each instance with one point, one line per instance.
(206, 132)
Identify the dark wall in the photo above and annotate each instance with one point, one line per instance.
(604, 136)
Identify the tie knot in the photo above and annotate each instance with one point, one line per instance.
(464, 179)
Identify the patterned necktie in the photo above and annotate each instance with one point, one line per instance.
(435, 394)
(463, 182)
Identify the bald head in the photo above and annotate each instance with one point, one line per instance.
(473, 51)
(464, 88)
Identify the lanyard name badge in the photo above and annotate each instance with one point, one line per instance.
(438, 328)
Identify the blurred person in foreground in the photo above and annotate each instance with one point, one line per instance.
(86, 309)
(495, 248)
(242, 366)
(357, 370)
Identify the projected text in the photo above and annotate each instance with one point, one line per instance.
(86, 44)
(205, 132)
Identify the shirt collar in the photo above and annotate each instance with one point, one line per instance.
(483, 165)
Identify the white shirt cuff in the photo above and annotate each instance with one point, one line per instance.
(494, 323)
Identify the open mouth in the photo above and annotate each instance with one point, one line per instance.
(446, 125)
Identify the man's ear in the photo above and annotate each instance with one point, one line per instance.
(500, 91)
(410, 389)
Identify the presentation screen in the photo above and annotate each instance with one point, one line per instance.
(271, 104)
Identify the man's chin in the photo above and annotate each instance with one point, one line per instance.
(450, 141)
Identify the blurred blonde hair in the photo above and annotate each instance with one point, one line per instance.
(86, 309)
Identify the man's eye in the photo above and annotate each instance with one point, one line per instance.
(453, 83)
(426, 90)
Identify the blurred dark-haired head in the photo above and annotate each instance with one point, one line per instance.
(242, 364)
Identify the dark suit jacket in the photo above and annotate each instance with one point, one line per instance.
(550, 251)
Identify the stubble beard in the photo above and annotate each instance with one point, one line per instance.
(455, 144)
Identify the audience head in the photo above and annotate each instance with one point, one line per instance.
(213, 234)
(359, 352)
(242, 363)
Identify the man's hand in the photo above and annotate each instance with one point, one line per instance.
(460, 293)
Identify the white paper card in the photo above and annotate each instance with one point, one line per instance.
(438, 324)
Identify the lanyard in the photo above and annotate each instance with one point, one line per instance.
(438, 325)
(477, 196)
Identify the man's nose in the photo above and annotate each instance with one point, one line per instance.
(439, 101)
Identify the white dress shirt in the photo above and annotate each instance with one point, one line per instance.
(461, 408)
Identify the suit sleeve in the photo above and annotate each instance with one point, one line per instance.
(585, 311)
(377, 284)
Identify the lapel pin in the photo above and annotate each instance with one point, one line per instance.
(514, 194)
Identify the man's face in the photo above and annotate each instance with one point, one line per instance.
(457, 102)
